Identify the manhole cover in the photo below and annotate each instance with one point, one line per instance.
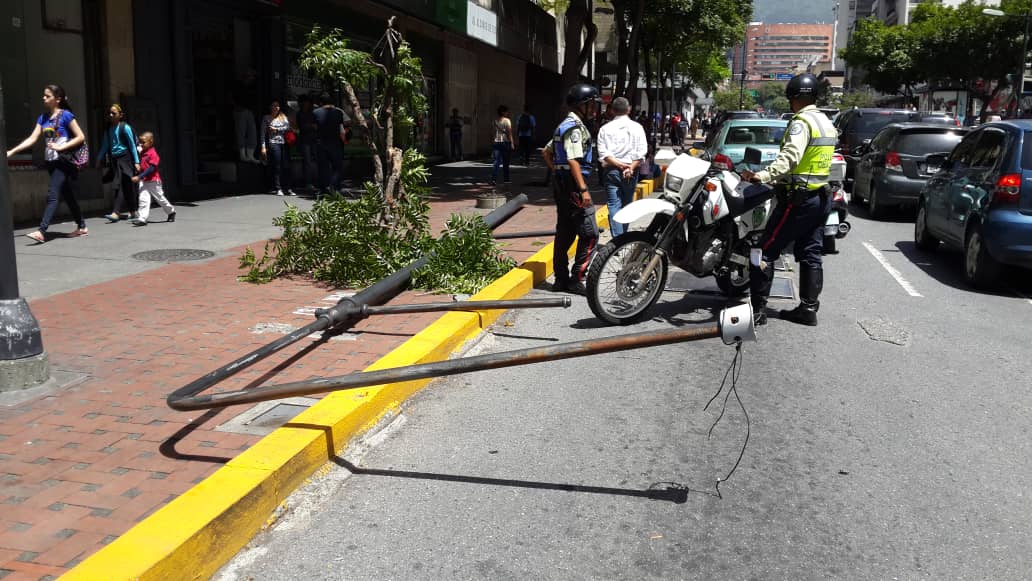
(173, 255)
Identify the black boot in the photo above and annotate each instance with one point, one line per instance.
(760, 281)
(811, 282)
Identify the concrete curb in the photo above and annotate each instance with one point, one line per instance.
(202, 529)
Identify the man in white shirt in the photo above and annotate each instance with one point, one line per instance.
(621, 147)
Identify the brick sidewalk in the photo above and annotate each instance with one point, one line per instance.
(81, 466)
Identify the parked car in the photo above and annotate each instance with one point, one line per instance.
(894, 167)
(730, 140)
(939, 118)
(981, 201)
(856, 126)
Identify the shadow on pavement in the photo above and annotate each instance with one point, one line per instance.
(947, 267)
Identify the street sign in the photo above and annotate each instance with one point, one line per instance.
(783, 76)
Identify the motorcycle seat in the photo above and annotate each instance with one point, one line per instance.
(754, 195)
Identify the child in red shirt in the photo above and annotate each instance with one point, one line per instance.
(150, 182)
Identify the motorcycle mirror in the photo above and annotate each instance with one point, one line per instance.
(753, 156)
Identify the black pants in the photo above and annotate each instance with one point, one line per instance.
(572, 221)
(127, 194)
(331, 166)
(62, 174)
(526, 147)
(799, 222)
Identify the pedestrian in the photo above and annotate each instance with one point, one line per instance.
(118, 151)
(244, 99)
(275, 126)
(675, 129)
(149, 182)
(801, 170)
(307, 142)
(695, 127)
(621, 147)
(526, 124)
(454, 126)
(330, 135)
(503, 144)
(63, 138)
(569, 154)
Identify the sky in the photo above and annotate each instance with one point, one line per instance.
(796, 11)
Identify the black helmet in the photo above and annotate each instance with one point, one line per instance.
(582, 93)
(804, 85)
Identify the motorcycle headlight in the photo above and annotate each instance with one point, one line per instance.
(674, 183)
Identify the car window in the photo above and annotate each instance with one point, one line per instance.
(989, 149)
(872, 122)
(882, 139)
(754, 135)
(1026, 151)
(961, 156)
(927, 142)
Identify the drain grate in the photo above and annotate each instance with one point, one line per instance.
(173, 255)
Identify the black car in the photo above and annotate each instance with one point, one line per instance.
(894, 167)
(857, 126)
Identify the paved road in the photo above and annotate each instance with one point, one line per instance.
(889, 442)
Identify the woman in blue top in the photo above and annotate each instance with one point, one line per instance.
(119, 150)
(62, 133)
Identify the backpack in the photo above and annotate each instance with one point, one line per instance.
(523, 124)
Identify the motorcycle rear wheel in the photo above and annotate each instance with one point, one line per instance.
(615, 273)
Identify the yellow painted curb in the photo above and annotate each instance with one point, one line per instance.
(199, 531)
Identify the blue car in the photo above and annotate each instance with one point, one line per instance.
(980, 201)
(731, 139)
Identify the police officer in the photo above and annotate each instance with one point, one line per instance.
(801, 173)
(569, 155)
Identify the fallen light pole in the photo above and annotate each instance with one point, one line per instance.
(734, 326)
(347, 312)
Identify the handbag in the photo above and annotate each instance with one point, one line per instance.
(80, 158)
(290, 137)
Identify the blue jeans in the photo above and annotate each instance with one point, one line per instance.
(309, 163)
(619, 193)
(61, 175)
(279, 160)
(502, 153)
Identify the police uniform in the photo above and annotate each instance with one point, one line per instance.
(801, 172)
(572, 140)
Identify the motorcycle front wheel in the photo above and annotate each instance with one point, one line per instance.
(613, 278)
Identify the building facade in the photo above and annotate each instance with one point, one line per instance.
(775, 52)
(179, 67)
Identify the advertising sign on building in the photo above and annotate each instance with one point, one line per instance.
(481, 23)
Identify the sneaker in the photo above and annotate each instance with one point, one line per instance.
(291, 192)
(576, 287)
(112, 217)
(80, 232)
(280, 193)
(138, 222)
(171, 217)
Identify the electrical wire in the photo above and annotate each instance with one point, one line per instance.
(734, 371)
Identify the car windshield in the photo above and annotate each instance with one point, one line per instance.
(754, 135)
(927, 142)
(872, 122)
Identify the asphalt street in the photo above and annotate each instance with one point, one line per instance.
(890, 442)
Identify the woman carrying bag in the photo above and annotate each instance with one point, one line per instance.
(118, 150)
(65, 148)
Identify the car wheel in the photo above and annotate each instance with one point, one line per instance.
(874, 209)
(980, 269)
(922, 237)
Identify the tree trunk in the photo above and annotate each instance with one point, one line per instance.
(634, 44)
(357, 117)
(622, 47)
(576, 14)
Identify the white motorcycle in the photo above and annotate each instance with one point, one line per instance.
(705, 221)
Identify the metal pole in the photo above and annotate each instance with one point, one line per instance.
(450, 367)
(344, 314)
(1019, 84)
(23, 362)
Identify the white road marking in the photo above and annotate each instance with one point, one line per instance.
(892, 271)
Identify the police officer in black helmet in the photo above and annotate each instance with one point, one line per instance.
(570, 155)
(801, 173)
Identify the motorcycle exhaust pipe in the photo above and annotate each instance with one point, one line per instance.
(843, 229)
(735, 325)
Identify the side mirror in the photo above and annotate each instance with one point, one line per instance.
(753, 156)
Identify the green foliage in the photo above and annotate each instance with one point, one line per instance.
(468, 244)
(853, 99)
(343, 242)
(885, 52)
(728, 100)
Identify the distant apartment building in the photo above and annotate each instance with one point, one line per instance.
(777, 51)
